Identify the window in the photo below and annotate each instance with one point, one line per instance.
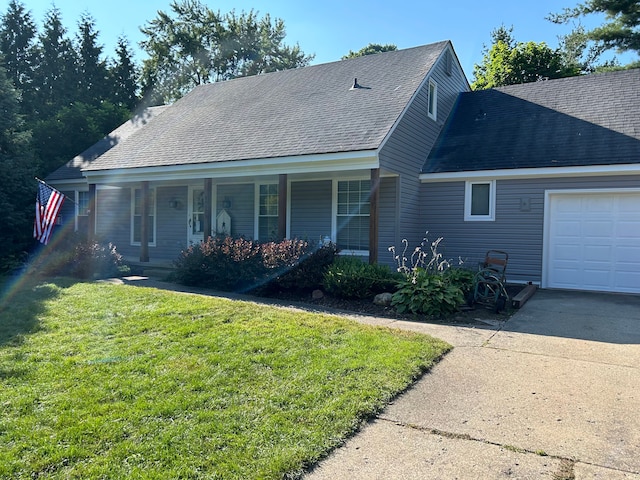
(268, 212)
(353, 215)
(136, 217)
(480, 199)
(433, 100)
(82, 203)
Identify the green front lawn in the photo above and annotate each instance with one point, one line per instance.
(114, 381)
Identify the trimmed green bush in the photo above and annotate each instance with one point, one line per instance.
(350, 277)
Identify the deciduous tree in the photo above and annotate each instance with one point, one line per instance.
(508, 62)
(195, 45)
(370, 49)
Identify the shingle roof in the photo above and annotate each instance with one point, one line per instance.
(310, 110)
(72, 170)
(587, 120)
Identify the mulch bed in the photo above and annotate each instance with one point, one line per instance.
(479, 315)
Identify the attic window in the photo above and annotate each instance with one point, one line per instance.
(448, 63)
(433, 100)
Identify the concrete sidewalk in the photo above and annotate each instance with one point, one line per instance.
(552, 393)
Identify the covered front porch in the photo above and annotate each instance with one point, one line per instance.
(152, 221)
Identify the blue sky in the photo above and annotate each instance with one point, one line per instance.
(330, 28)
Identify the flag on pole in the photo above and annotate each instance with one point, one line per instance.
(48, 203)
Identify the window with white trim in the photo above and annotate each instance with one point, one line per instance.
(82, 203)
(433, 100)
(353, 215)
(480, 201)
(268, 212)
(136, 216)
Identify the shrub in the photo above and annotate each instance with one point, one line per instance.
(238, 264)
(428, 293)
(430, 285)
(82, 259)
(223, 263)
(350, 277)
(308, 273)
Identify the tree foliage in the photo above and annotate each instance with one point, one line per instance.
(620, 31)
(16, 178)
(508, 62)
(59, 95)
(193, 45)
(370, 50)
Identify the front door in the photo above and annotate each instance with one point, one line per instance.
(196, 215)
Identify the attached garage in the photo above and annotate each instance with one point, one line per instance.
(592, 240)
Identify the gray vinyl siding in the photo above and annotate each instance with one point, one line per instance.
(113, 208)
(517, 231)
(388, 220)
(171, 228)
(409, 144)
(242, 210)
(310, 210)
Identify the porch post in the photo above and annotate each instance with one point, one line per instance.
(282, 206)
(208, 207)
(374, 215)
(91, 220)
(144, 223)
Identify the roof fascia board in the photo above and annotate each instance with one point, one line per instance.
(520, 173)
(241, 168)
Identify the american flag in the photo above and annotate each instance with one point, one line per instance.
(48, 203)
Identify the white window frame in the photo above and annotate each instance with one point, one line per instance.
(334, 215)
(468, 217)
(78, 211)
(432, 100)
(154, 214)
(257, 208)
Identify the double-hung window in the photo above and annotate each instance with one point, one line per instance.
(136, 217)
(480, 201)
(268, 212)
(353, 215)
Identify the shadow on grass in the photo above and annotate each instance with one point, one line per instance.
(22, 303)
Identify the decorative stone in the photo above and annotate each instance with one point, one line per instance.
(317, 294)
(383, 299)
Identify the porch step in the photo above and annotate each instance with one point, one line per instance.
(159, 273)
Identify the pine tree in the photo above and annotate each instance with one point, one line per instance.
(124, 77)
(17, 45)
(56, 74)
(93, 77)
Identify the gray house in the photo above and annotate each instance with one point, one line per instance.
(327, 151)
(547, 171)
(372, 150)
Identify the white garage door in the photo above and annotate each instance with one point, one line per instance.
(594, 241)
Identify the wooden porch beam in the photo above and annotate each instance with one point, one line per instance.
(282, 206)
(374, 215)
(208, 208)
(91, 220)
(144, 222)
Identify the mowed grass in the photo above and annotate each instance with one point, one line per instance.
(114, 381)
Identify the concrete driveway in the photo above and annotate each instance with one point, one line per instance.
(553, 393)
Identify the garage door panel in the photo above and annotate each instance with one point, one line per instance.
(594, 241)
(597, 229)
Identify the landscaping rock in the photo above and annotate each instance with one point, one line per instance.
(383, 299)
(317, 294)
